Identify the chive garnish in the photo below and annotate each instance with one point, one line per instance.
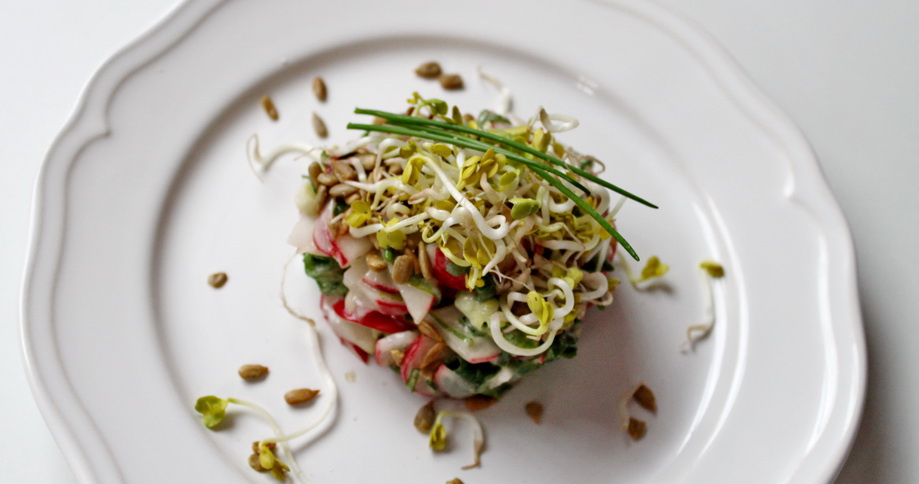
(449, 133)
(403, 119)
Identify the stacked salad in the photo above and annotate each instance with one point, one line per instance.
(461, 252)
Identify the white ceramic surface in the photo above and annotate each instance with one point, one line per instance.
(147, 192)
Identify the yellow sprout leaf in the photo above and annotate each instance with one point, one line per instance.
(394, 239)
(540, 308)
(653, 268)
(438, 437)
(360, 214)
(412, 172)
(524, 207)
(441, 149)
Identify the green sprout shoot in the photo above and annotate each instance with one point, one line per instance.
(438, 436)
(213, 411)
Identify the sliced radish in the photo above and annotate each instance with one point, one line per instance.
(474, 349)
(301, 236)
(381, 281)
(396, 341)
(417, 301)
(322, 237)
(391, 307)
(451, 384)
(352, 248)
(363, 355)
(443, 275)
(343, 249)
(373, 320)
(359, 335)
(414, 355)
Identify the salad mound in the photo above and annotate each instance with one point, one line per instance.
(449, 249)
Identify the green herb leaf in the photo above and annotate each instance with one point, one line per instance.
(327, 273)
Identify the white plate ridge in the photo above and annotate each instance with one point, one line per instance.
(147, 191)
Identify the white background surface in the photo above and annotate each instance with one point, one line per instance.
(845, 71)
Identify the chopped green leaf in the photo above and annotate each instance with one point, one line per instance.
(327, 273)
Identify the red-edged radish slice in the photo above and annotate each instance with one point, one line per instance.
(443, 276)
(396, 341)
(360, 335)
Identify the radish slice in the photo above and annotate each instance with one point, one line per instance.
(417, 301)
(443, 276)
(372, 320)
(474, 349)
(322, 238)
(381, 281)
(352, 248)
(395, 341)
(391, 307)
(301, 236)
(412, 360)
(451, 384)
(343, 249)
(361, 336)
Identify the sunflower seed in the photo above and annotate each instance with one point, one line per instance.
(319, 89)
(428, 70)
(319, 126)
(342, 190)
(270, 109)
(300, 395)
(451, 81)
(252, 372)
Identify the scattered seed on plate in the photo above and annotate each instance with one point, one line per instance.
(270, 109)
(319, 89)
(217, 280)
(637, 428)
(479, 402)
(319, 126)
(424, 419)
(428, 70)
(350, 377)
(534, 411)
(451, 81)
(300, 395)
(256, 463)
(645, 397)
(252, 372)
(455, 480)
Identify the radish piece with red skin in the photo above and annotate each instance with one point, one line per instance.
(443, 276)
(414, 355)
(417, 302)
(396, 341)
(381, 281)
(373, 320)
(359, 335)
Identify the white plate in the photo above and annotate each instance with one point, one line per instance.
(147, 192)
